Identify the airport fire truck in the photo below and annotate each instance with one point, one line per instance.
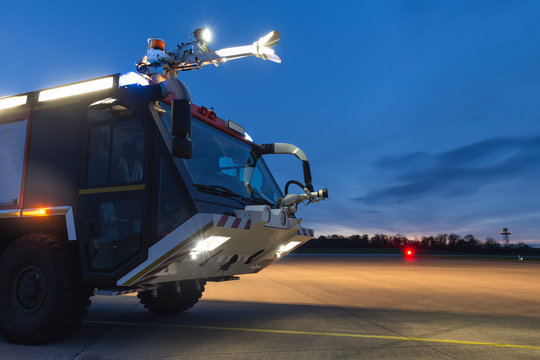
(121, 184)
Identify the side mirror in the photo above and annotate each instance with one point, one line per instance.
(182, 146)
(180, 117)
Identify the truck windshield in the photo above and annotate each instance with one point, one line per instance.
(220, 159)
(225, 166)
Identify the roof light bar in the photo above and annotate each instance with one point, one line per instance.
(76, 89)
(13, 101)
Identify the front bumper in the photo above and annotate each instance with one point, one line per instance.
(251, 247)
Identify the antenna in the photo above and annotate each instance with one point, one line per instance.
(159, 65)
(506, 236)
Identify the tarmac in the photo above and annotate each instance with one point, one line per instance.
(326, 307)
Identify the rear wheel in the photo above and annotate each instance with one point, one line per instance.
(169, 300)
(41, 295)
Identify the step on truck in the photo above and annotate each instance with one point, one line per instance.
(121, 184)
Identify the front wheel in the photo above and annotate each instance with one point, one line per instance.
(41, 295)
(171, 298)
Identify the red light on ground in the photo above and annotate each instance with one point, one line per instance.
(409, 253)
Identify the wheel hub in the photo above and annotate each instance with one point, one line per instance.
(29, 289)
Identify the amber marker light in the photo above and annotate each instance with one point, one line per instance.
(37, 212)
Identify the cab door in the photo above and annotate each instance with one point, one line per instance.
(113, 228)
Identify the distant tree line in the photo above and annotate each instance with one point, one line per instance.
(442, 242)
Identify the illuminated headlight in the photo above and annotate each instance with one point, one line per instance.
(283, 249)
(208, 244)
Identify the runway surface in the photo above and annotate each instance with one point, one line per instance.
(331, 307)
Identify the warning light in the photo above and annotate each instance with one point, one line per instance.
(408, 253)
(157, 44)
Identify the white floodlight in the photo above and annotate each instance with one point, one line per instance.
(234, 51)
(13, 101)
(258, 48)
(203, 35)
(270, 39)
(283, 249)
(76, 89)
(208, 244)
(248, 50)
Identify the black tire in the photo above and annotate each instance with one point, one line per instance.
(42, 298)
(169, 300)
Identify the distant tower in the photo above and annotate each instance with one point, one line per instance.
(506, 236)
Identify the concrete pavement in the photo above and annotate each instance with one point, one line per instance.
(327, 308)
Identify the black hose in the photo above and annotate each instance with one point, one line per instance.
(293, 182)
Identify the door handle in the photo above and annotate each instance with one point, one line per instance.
(91, 227)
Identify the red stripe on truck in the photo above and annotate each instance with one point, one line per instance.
(223, 221)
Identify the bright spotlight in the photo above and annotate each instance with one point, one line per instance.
(203, 35)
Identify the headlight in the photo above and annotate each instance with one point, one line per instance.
(208, 244)
(283, 249)
(267, 214)
(280, 215)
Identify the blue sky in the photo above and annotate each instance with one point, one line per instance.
(421, 117)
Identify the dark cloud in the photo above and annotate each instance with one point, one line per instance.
(457, 172)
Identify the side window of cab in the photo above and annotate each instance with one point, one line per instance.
(115, 145)
(113, 185)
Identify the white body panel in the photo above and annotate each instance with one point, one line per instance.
(12, 146)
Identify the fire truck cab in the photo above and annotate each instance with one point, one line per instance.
(121, 184)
